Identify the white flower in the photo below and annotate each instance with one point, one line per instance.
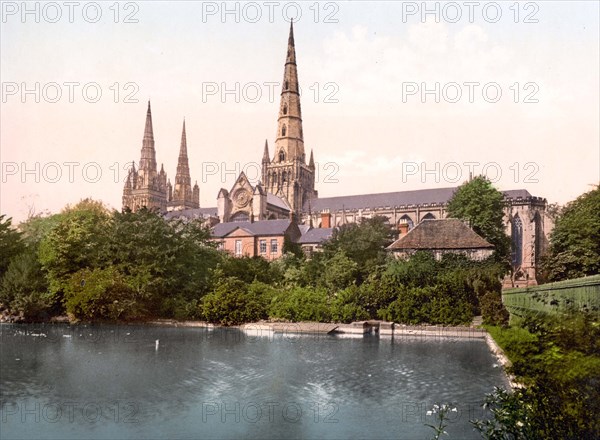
(429, 413)
(454, 410)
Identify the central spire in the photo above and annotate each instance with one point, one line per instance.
(289, 142)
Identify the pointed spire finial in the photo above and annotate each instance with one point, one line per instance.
(148, 132)
(266, 152)
(311, 162)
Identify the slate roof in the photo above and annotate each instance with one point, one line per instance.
(391, 199)
(448, 233)
(193, 213)
(263, 227)
(316, 236)
(277, 201)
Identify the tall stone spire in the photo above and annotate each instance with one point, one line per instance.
(266, 157)
(287, 175)
(183, 194)
(146, 187)
(290, 138)
(148, 156)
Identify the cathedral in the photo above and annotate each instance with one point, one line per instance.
(285, 200)
(147, 187)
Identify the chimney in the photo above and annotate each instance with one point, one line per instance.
(326, 220)
(403, 228)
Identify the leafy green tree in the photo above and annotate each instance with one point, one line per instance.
(339, 273)
(11, 243)
(347, 305)
(24, 289)
(482, 205)
(79, 240)
(575, 240)
(363, 242)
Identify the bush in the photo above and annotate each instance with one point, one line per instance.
(346, 306)
(232, 303)
(300, 304)
(102, 294)
(493, 311)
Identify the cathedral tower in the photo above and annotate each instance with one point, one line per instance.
(183, 196)
(287, 175)
(146, 186)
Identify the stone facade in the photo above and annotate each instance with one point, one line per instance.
(145, 187)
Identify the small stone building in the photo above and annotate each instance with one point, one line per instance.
(441, 237)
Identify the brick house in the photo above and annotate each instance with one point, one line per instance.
(263, 238)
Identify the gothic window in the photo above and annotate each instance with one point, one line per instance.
(517, 241)
(240, 217)
(429, 216)
(281, 156)
(539, 232)
(283, 130)
(285, 109)
(286, 85)
(283, 177)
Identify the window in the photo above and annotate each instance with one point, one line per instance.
(285, 109)
(517, 242)
(238, 248)
(274, 246)
(283, 130)
(286, 85)
(281, 156)
(263, 246)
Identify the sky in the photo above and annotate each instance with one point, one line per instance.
(395, 95)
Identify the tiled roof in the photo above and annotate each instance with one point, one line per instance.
(263, 227)
(316, 236)
(391, 199)
(449, 233)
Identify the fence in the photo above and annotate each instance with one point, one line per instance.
(576, 295)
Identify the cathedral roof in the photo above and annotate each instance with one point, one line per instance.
(448, 233)
(192, 213)
(401, 198)
(277, 201)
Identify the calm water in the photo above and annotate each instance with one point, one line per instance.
(96, 382)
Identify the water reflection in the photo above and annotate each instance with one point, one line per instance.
(59, 381)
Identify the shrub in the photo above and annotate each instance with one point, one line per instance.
(232, 303)
(102, 294)
(346, 305)
(300, 304)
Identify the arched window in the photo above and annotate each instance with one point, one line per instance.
(517, 241)
(281, 156)
(429, 216)
(286, 85)
(283, 177)
(283, 130)
(285, 109)
(539, 233)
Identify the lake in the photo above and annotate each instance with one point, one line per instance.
(111, 381)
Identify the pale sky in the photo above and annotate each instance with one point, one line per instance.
(362, 67)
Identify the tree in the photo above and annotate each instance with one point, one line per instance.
(79, 240)
(575, 240)
(232, 303)
(363, 242)
(11, 243)
(482, 205)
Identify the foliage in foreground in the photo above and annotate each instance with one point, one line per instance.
(558, 361)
